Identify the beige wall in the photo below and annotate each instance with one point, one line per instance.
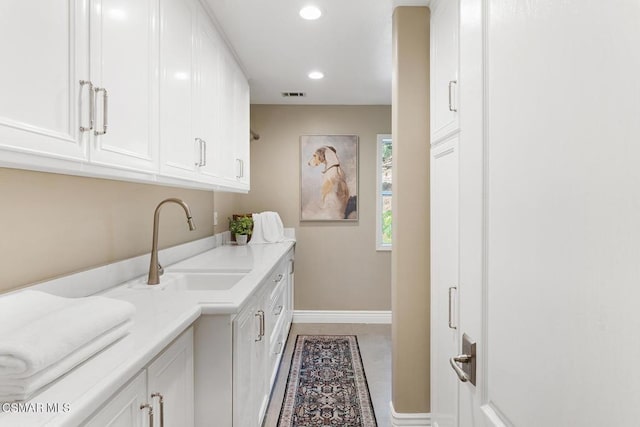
(226, 205)
(337, 265)
(410, 259)
(53, 225)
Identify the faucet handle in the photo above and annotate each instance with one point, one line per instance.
(160, 270)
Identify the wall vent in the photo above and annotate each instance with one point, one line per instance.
(293, 94)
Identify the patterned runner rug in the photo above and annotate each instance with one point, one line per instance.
(326, 385)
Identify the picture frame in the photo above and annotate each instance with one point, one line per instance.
(329, 178)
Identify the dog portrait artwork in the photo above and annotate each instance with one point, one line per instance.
(329, 177)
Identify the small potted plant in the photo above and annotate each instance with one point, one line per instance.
(242, 227)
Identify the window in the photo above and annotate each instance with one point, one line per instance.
(383, 194)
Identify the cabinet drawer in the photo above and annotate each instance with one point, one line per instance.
(277, 310)
(276, 350)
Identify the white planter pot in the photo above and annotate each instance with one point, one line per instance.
(241, 239)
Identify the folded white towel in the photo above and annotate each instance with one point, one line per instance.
(267, 228)
(39, 329)
(12, 389)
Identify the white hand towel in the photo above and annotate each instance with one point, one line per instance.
(12, 389)
(38, 329)
(267, 228)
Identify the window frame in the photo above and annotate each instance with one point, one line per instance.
(381, 139)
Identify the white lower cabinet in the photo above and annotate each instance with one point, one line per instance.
(124, 408)
(160, 395)
(249, 386)
(237, 356)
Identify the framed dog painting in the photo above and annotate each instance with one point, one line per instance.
(329, 178)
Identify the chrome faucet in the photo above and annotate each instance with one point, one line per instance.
(155, 269)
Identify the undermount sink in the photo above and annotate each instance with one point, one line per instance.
(193, 281)
(200, 281)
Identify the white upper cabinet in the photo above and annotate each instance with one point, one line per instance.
(444, 69)
(44, 56)
(210, 101)
(145, 91)
(241, 132)
(177, 62)
(202, 92)
(124, 72)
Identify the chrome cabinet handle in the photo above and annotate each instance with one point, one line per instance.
(202, 151)
(451, 106)
(260, 315)
(161, 401)
(261, 323)
(150, 408)
(462, 358)
(91, 105)
(279, 311)
(260, 327)
(293, 266)
(451, 325)
(240, 168)
(105, 109)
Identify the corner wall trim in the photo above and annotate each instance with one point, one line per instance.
(342, 316)
(413, 419)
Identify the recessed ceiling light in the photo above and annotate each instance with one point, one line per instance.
(310, 12)
(316, 75)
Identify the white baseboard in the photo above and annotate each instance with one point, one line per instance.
(413, 420)
(342, 316)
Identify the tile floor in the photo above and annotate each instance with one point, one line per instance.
(375, 348)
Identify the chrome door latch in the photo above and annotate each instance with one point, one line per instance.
(466, 372)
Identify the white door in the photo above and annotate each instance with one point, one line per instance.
(444, 281)
(226, 163)
(241, 132)
(208, 97)
(549, 238)
(124, 63)
(44, 57)
(245, 334)
(444, 62)
(170, 383)
(123, 409)
(179, 150)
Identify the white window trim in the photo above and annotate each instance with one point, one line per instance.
(379, 245)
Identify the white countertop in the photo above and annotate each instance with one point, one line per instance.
(161, 316)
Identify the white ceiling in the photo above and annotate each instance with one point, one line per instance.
(350, 44)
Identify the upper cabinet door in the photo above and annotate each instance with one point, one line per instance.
(208, 97)
(226, 162)
(180, 152)
(44, 58)
(241, 132)
(444, 69)
(124, 69)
